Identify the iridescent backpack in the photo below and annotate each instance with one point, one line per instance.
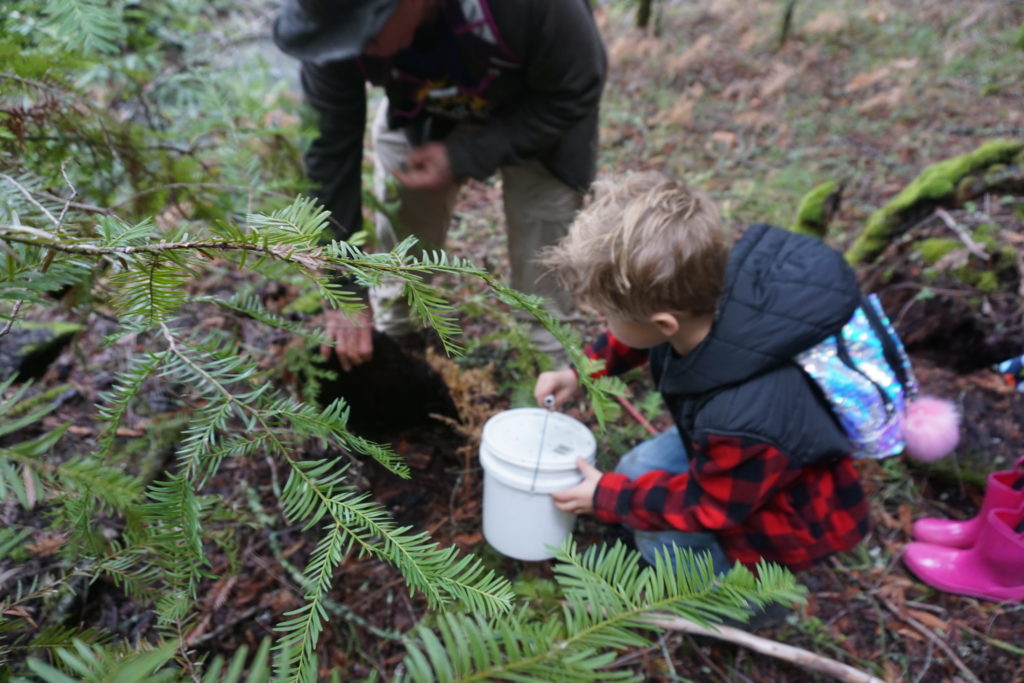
(864, 375)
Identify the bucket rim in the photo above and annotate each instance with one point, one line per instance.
(579, 429)
(521, 479)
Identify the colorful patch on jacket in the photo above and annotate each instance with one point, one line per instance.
(1012, 371)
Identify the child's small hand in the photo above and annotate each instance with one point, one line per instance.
(561, 384)
(580, 498)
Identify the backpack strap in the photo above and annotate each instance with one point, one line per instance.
(889, 350)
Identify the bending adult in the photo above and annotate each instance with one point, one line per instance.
(471, 88)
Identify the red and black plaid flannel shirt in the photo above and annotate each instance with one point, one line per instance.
(758, 502)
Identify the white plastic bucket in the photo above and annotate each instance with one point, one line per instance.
(526, 454)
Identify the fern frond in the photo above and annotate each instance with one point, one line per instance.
(609, 603)
(313, 486)
(212, 367)
(434, 311)
(107, 483)
(60, 636)
(130, 570)
(315, 489)
(300, 633)
(173, 522)
(27, 481)
(114, 403)
(12, 538)
(428, 568)
(174, 606)
(199, 452)
(258, 666)
(152, 291)
(681, 582)
(25, 277)
(89, 25)
(201, 464)
(517, 648)
(12, 481)
(9, 406)
(118, 233)
(98, 664)
(301, 223)
(330, 426)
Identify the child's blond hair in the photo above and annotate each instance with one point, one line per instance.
(646, 244)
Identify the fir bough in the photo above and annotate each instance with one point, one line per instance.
(132, 169)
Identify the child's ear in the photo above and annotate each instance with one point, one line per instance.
(667, 323)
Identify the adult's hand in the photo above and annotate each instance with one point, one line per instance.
(352, 334)
(427, 167)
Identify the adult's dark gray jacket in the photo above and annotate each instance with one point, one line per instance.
(542, 102)
(784, 293)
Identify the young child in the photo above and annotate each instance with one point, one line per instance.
(756, 465)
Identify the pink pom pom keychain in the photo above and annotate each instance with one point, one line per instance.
(931, 428)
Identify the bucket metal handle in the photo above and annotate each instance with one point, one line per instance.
(549, 403)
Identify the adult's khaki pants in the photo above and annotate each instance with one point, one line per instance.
(538, 210)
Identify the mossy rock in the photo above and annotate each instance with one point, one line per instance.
(29, 348)
(935, 184)
(815, 208)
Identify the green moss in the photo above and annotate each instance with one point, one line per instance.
(933, 249)
(987, 235)
(874, 237)
(810, 214)
(987, 282)
(933, 184)
(1018, 40)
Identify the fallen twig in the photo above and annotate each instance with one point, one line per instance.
(913, 623)
(636, 414)
(971, 245)
(772, 648)
(930, 635)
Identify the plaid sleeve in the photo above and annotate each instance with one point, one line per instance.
(730, 477)
(618, 358)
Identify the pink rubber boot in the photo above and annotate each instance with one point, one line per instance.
(999, 493)
(993, 568)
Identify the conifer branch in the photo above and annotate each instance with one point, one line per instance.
(307, 259)
(31, 199)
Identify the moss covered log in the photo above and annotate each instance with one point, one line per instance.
(951, 181)
(815, 209)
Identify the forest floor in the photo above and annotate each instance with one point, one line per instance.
(867, 93)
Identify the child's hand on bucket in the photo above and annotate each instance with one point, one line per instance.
(579, 499)
(562, 384)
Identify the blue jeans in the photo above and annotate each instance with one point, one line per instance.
(666, 452)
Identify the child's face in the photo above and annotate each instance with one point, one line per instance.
(639, 335)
